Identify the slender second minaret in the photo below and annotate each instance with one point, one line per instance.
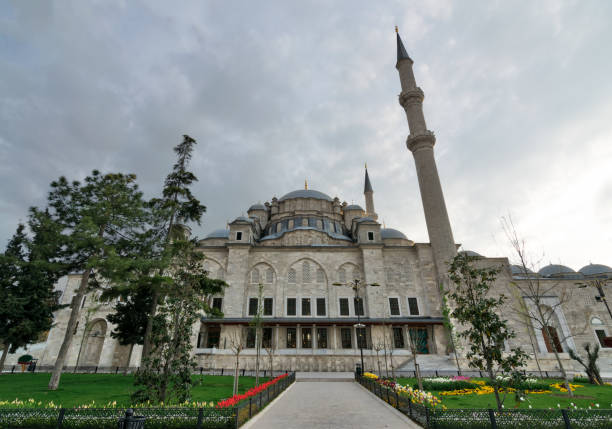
(369, 196)
(421, 142)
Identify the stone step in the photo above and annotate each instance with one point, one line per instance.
(325, 376)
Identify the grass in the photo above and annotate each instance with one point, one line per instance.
(586, 396)
(78, 389)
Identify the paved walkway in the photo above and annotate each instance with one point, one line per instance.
(330, 405)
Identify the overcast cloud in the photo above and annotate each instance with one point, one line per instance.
(519, 94)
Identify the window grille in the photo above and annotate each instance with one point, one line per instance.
(321, 338)
(306, 278)
(253, 306)
(305, 306)
(394, 306)
(270, 275)
(359, 306)
(345, 336)
(291, 307)
(268, 306)
(291, 337)
(344, 307)
(255, 276)
(292, 277)
(413, 306)
(321, 307)
(217, 303)
(398, 338)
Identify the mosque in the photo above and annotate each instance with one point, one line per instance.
(335, 284)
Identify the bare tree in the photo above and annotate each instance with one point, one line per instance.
(236, 343)
(378, 347)
(538, 310)
(270, 350)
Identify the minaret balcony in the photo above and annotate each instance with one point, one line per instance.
(410, 97)
(423, 140)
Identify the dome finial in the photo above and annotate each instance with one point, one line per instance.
(396, 29)
(305, 183)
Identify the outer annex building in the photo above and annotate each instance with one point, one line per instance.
(301, 246)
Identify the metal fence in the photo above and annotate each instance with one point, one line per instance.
(156, 418)
(488, 418)
(15, 369)
(468, 373)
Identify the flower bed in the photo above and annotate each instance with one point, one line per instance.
(234, 400)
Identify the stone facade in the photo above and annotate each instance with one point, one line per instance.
(304, 247)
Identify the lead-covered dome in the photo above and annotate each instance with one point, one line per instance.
(556, 270)
(306, 193)
(392, 233)
(595, 270)
(257, 207)
(353, 207)
(219, 233)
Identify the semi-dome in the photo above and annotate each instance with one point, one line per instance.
(219, 233)
(555, 270)
(595, 269)
(471, 253)
(518, 270)
(306, 193)
(392, 233)
(257, 207)
(353, 207)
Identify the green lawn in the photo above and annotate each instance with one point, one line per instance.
(586, 396)
(78, 389)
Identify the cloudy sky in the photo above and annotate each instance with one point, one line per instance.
(519, 94)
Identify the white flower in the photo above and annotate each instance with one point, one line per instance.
(558, 406)
(597, 405)
(530, 406)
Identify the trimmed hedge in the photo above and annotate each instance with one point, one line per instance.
(448, 385)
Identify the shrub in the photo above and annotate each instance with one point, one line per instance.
(445, 384)
(584, 380)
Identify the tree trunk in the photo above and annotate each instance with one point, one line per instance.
(4, 355)
(236, 375)
(74, 315)
(535, 352)
(146, 345)
(258, 353)
(563, 373)
(127, 365)
(495, 387)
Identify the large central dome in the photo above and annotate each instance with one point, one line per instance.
(306, 193)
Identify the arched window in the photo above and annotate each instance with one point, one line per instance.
(292, 276)
(269, 275)
(342, 275)
(255, 276)
(320, 276)
(306, 277)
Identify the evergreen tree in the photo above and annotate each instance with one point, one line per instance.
(165, 375)
(95, 217)
(27, 278)
(484, 328)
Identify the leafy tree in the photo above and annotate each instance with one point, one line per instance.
(93, 217)
(27, 278)
(166, 373)
(484, 329)
(591, 363)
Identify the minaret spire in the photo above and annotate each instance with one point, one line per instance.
(421, 142)
(369, 196)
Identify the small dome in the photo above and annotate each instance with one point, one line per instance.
(353, 207)
(518, 270)
(554, 270)
(306, 193)
(471, 253)
(219, 233)
(257, 207)
(392, 233)
(595, 269)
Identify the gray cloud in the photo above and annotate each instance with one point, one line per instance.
(275, 93)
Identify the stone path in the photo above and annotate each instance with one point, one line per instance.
(333, 405)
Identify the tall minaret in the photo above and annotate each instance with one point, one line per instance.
(421, 142)
(369, 196)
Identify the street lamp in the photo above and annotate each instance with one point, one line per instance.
(598, 283)
(357, 285)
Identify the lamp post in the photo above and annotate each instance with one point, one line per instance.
(356, 285)
(598, 283)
